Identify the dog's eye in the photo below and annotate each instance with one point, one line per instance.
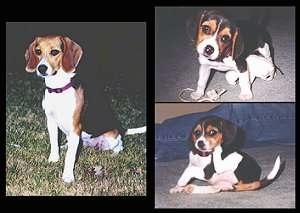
(225, 38)
(206, 29)
(197, 133)
(38, 51)
(212, 132)
(54, 52)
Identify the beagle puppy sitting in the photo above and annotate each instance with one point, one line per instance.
(215, 157)
(242, 49)
(55, 58)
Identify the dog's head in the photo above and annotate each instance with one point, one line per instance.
(217, 37)
(48, 54)
(212, 131)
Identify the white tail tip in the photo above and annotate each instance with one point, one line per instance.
(275, 169)
(136, 131)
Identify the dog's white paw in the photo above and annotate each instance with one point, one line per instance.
(68, 178)
(176, 189)
(53, 157)
(203, 59)
(231, 77)
(189, 188)
(196, 95)
(246, 96)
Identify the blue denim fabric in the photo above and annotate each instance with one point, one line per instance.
(262, 122)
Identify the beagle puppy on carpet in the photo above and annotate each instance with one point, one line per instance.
(55, 59)
(215, 157)
(242, 49)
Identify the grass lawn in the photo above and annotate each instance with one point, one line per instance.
(28, 147)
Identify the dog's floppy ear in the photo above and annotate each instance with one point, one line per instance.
(193, 24)
(72, 53)
(190, 138)
(233, 136)
(31, 59)
(229, 131)
(237, 44)
(191, 143)
(197, 23)
(201, 15)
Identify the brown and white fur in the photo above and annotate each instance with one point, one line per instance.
(55, 59)
(215, 157)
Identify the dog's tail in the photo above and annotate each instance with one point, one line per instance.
(138, 130)
(270, 178)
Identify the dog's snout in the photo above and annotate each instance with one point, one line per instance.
(209, 50)
(200, 144)
(42, 69)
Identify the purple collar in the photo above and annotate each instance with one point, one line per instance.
(60, 90)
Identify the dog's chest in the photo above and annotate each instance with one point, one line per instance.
(199, 161)
(60, 107)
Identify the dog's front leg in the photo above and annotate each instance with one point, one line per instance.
(73, 142)
(204, 73)
(189, 173)
(53, 135)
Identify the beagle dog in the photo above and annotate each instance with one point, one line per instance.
(215, 157)
(241, 49)
(55, 59)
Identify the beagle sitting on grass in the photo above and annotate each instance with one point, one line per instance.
(55, 59)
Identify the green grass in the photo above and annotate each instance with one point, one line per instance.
(27, 150)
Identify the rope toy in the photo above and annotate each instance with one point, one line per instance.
(212, 95)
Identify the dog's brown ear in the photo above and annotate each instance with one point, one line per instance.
(30, 57)
(72, 53)
(200, 18)
(237, 44)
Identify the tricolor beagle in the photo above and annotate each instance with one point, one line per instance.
(55, 59)
(215, 157)
(243, 49)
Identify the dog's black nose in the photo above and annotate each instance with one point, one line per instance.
(200, 144)
(209, 50)
(42, 69)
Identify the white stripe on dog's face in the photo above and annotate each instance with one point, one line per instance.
(49, 52)
(209, 46)
(43, 68)
(214, 39)
(202, 144)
